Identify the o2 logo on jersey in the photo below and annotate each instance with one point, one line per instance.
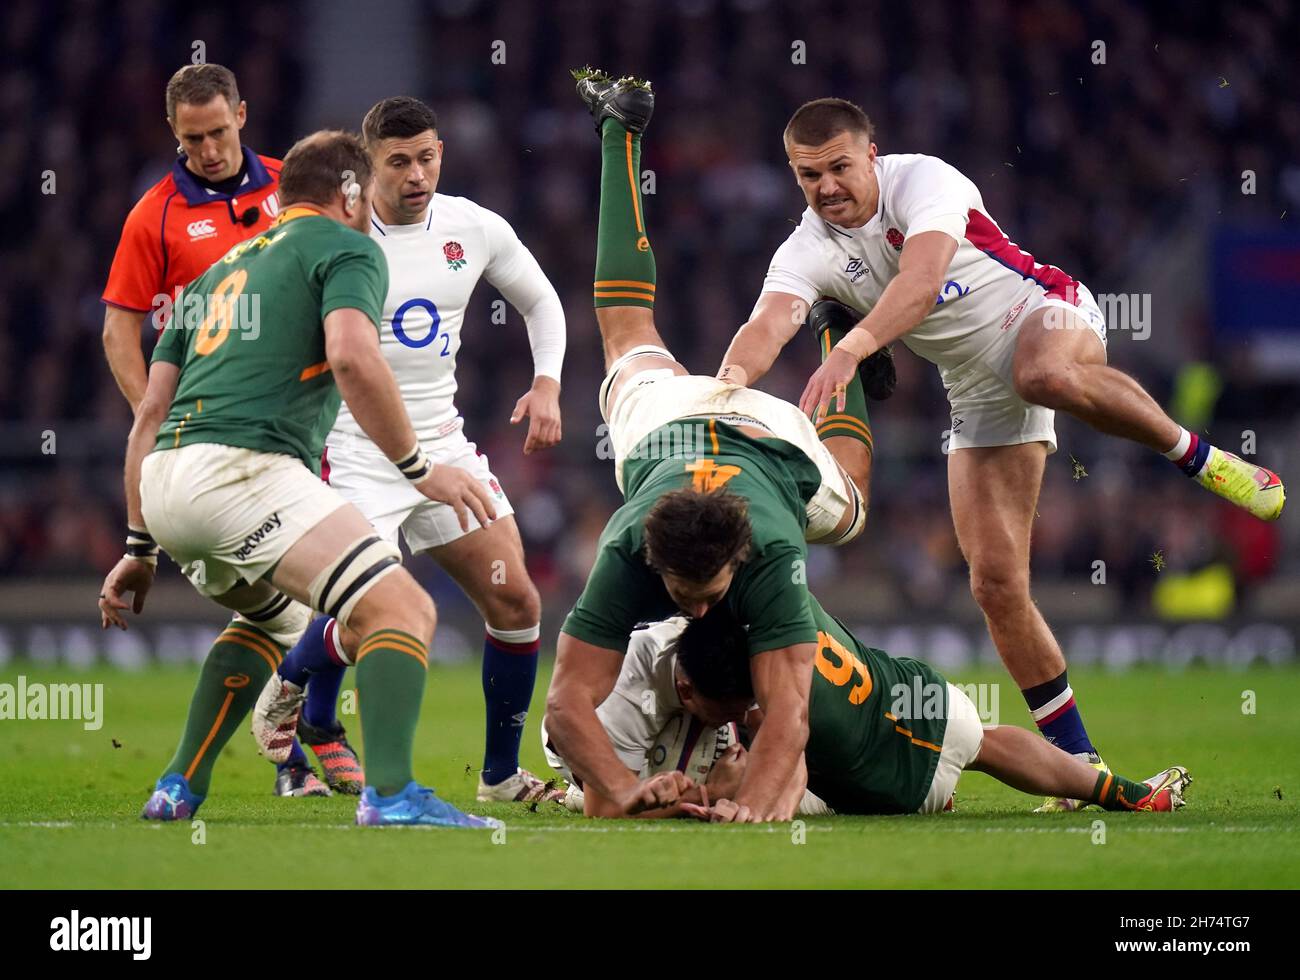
(399, 331)
(951, 290)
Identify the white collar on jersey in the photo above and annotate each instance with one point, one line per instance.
(412, 228)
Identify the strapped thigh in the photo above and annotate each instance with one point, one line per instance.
(617, 367)
(341, 584)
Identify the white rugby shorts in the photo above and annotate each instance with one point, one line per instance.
(985, 408)
(356, 468)
(651, 398)
(962, 738)
(226, 515)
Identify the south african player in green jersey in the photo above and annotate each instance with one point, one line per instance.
(245, 383)
(723, 486)
(886, 734)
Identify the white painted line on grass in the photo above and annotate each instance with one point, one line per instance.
(608, 827)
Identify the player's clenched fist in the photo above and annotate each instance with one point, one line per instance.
(455, 486)
(657, 792)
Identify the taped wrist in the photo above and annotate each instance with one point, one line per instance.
(858, 342)
(415, 465)
(141, 546)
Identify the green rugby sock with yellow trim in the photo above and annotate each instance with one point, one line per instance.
(391, 671)
(625, 264)
(853, 422)
(1114, 792)
(233, 675)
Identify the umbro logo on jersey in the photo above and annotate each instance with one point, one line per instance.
(957, 423)
(856, 269)
(201, 229)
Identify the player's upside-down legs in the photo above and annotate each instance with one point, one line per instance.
(625, 284)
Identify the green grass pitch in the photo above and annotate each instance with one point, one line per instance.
(71, 798)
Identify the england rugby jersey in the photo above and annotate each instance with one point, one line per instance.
(644, 698)
(433, 266)
(989, 281)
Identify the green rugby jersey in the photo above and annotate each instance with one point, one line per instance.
(876, 723)
(769, 592)
(249, 339)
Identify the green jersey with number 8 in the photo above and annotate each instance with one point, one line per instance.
(248, 337)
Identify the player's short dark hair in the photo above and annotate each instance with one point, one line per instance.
(815, 122)
(316, 168)
(694, 534)
(199, 85)
(400, 117)
(713, 653)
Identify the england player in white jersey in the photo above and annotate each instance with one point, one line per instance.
(657, 719)
(906, 240)
(438, 247)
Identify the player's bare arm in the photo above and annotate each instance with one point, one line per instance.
(367, 384)
(781, 683)
(905, 302)
(135, 574)
(775, 321)
(122, 329)
(584, 676)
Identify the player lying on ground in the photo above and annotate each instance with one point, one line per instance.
(907, 239)
(235, 412)
(438, 247)
(723, 485)
(886, 735)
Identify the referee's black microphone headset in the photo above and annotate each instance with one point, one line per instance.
(247, 219)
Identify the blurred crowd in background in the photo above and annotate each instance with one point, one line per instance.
(1099, 168)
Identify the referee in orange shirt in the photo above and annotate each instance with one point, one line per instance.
(217, 193)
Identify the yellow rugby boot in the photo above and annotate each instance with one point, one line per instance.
(1249, 486)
